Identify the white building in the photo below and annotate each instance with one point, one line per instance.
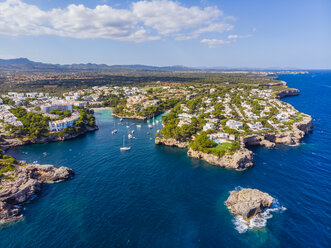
(255, 126)
(62, 124)
(50, 107)
(234, 124)
(209, 126)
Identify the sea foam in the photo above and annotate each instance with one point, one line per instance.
(259, 221)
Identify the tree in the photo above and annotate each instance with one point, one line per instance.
(201, 142)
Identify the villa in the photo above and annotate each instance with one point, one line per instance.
(62, 124)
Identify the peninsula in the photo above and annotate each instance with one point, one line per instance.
(32, 117)
(20, 181)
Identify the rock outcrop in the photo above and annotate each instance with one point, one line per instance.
(240, 160)
(137, 117)
(171, 142)
(7, 141)
(288, 92)
(23, 183)
(289, 137)
(248, 202)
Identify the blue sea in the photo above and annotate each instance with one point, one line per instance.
(155, 196)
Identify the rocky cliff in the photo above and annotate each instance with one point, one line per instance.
(289, 137)
(240, 160)
(20, 185)
(137, 117)
(171, 142)
(288, 92)
(248, 202)
(8, 141)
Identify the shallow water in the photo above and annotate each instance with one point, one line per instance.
(155, 196)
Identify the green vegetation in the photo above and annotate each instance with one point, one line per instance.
(7, 163)
(62, 114)
(34, 125)
(112, 100)
(7, 100)
(86, 119)
(204, 144)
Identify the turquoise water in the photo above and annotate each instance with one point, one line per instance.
(155, 196)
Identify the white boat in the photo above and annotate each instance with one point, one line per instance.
(114, 131)
(139, 126)
(150, 126)
(132, 131)
(157, 121)
(147, 121)
(127, 126)
(153, 121)
(121, 119)
(125, 148)
(130, 136)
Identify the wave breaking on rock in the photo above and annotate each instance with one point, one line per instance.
(251, 208)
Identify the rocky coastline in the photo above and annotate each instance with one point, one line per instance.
(171, 142)
(23, 183)
(243, 158)
(248, 202)
(8, 141)
(137, 117)
(289, 137)
(287, 92)
(240, 160)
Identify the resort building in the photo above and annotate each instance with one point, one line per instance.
(62, 124)
(234, 124)
(48, 108)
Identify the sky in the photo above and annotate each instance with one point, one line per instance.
(196, 33)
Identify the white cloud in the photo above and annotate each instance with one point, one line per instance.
(143, 20)
(212, 43)
(236, 37)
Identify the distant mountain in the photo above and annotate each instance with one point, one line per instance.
(26, 65)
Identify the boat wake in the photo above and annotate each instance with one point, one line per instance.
(259, 221)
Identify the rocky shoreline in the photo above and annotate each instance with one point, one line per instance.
(240, 160)
(171, 142)
(8, 141)
(23, 183)
(290, 137)
(248, 202)
(288, 92)
(137, 117)
(243, 158)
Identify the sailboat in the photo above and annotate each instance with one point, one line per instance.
(125, 148)
(153, 121)
(115, 130)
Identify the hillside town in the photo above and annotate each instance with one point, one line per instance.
(220, 113)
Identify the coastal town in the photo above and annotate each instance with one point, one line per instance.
(214, 119)
(215, 122)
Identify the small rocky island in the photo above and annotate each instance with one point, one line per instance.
(21, 182)
(248, 202)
